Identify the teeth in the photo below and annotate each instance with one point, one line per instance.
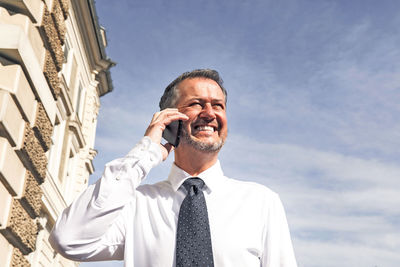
(205, 128)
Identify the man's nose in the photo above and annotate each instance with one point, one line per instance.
(207, 112)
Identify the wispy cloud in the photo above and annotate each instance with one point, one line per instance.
(331, 199)
(348, 103)
(331, 254)
(313, 104)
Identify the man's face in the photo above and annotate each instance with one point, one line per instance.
(203, 101)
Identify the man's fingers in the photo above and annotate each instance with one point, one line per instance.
(160, 120)
(166, 113)
(173, 114)
(166, 116)
(174, 117)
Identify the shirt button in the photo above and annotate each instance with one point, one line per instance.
(117, 178)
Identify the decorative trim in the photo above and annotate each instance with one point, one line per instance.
(76, 128)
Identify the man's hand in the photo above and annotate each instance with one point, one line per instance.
(157, 125)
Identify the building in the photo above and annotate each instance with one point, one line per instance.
(53, 70)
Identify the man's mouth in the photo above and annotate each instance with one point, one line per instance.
(205, 128)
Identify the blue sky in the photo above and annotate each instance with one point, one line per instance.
(313, 107)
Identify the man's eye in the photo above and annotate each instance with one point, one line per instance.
(219, 106)
(195, 104)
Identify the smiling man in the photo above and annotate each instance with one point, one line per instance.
(195, 217)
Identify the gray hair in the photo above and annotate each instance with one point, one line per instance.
(171, 94)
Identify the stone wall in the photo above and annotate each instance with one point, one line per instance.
(23, 227)
(51, 74)
(21, 230)
(33, 155)
(58, 18)
(18, 259)
(43, 128)
(34, 98)
(64, 7)
(31, 200)
(53, 26)
(52, 39)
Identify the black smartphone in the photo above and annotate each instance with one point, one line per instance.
(172, 132)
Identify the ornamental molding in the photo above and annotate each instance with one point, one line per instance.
(76, 128)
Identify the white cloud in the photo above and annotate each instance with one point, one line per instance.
(332, 200)
(332, 254)
(320, 82)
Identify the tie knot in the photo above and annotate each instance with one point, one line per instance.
(192, 185)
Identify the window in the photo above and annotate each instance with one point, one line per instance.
(71, 79)
(66, 51)
(80, 101)
(56, 148)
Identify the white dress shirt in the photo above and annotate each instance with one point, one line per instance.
(116, 219)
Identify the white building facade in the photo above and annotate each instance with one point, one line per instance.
(53, 71)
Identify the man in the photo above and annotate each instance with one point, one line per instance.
(209, 220)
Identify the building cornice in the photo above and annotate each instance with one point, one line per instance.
(94, 44)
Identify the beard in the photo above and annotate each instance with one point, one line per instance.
(186, 138)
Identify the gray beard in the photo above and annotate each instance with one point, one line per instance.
(201, 146)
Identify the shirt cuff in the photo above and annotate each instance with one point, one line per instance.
(147, 152)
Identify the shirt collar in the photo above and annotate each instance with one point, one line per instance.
(211, 177)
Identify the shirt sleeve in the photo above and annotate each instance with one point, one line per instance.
(278, 249)
(92, 227)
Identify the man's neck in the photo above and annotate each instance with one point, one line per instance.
(194, 161)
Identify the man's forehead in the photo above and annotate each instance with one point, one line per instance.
(190, 85)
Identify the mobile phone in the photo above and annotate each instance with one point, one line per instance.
(172, 132)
